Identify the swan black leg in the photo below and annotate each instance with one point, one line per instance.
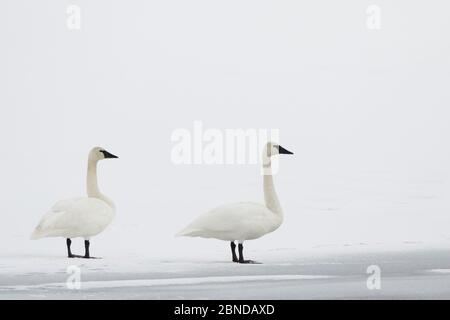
(86, 249)
(69, 252)
(241, 255)
(233, 252)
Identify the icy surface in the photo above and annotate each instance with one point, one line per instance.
(411, 271)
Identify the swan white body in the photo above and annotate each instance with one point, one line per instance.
(80, 217)
(73, 218)
(245, 220)
(238, 221)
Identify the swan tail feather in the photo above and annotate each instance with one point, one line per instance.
(187, 233)
(37, 234)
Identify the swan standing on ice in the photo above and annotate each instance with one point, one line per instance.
(80, 217)
(245, 220)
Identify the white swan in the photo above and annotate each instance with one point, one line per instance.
(246, 220)
(80, 217)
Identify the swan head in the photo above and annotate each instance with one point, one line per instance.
(99, 153)
(273, 149)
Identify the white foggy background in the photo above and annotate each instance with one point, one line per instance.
(366, 113)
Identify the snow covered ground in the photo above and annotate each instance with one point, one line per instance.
(331, 235)
(408, 270)
(334, 229)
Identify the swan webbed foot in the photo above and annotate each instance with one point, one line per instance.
(89, 257)
(241, 256)
(249, 262)
(72, 256)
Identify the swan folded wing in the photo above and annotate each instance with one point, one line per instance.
(230, 218)
(73, 215)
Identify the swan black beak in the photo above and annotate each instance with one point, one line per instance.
(282, 150)
(109, 155)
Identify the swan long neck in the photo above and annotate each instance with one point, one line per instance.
(93, 190)
(270, 195)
